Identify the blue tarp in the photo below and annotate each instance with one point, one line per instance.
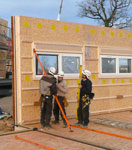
(2, 114)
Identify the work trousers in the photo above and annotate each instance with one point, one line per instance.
(83, 113)
(46, 110)
(57, 110)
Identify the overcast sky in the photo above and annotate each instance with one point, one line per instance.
(47, 9)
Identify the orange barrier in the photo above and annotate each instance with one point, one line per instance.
(102, 132)
(19, 138)
(54, 95)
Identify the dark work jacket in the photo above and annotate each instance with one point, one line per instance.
(45, 84)
(86, 87)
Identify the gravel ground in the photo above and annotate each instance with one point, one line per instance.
(7, 123)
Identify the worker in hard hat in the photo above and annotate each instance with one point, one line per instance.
(46, 83)
(85, 93)
(61, 91)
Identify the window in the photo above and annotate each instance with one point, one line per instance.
(115, 65)
(124, 65)
(47, 62)
(108, 65)
(68, 63)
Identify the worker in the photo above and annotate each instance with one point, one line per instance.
(46, 83)
(61, 91)
(84, 100)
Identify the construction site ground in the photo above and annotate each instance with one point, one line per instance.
(80, 139)
(112, 131)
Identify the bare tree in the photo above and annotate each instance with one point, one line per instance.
(110, 13)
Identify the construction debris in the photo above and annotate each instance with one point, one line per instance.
(6, 123)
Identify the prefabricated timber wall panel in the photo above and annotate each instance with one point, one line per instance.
(111, 93)
(40, 30)
(107, 37)
(110, 105)
(112, 90)
(26, 49)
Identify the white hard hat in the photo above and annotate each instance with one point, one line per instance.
(52, 70)
(61, 74)
(87, 73)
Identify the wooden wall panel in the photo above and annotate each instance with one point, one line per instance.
(30, 96)
(72, 93)
(100, 105)
(26, 65)
(108, 36)
(121, 103)
(114, 51)
(119, 90)
(30, 113)
(71, 82)
(101, 91)
(91, 52)
(58, 47)
(54, 36)
(109, 105)
(95, 77)
(53, 31)
(29, 82)
(71, 109)
(109, 91)
(92, 66)
(26, 49)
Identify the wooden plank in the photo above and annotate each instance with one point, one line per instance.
(13, 68)
(17, 65)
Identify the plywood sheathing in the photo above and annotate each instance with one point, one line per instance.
(109, 91)
(108, 37)
(26, 49)
(30, 113)
(51, 31)
(90, 41)
(58, 48)
(109, 105)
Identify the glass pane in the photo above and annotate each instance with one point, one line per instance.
(108, 65)
(70, 64)
(47, 62)
(124, 65)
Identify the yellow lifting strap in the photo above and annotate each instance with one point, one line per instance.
(78, 83)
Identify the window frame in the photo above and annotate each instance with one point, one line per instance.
(130, 63)
(59, 63)
(45, 55)
(117, 74)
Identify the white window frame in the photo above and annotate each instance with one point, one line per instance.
(117, 74)
(59, 63)
(77, 55)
